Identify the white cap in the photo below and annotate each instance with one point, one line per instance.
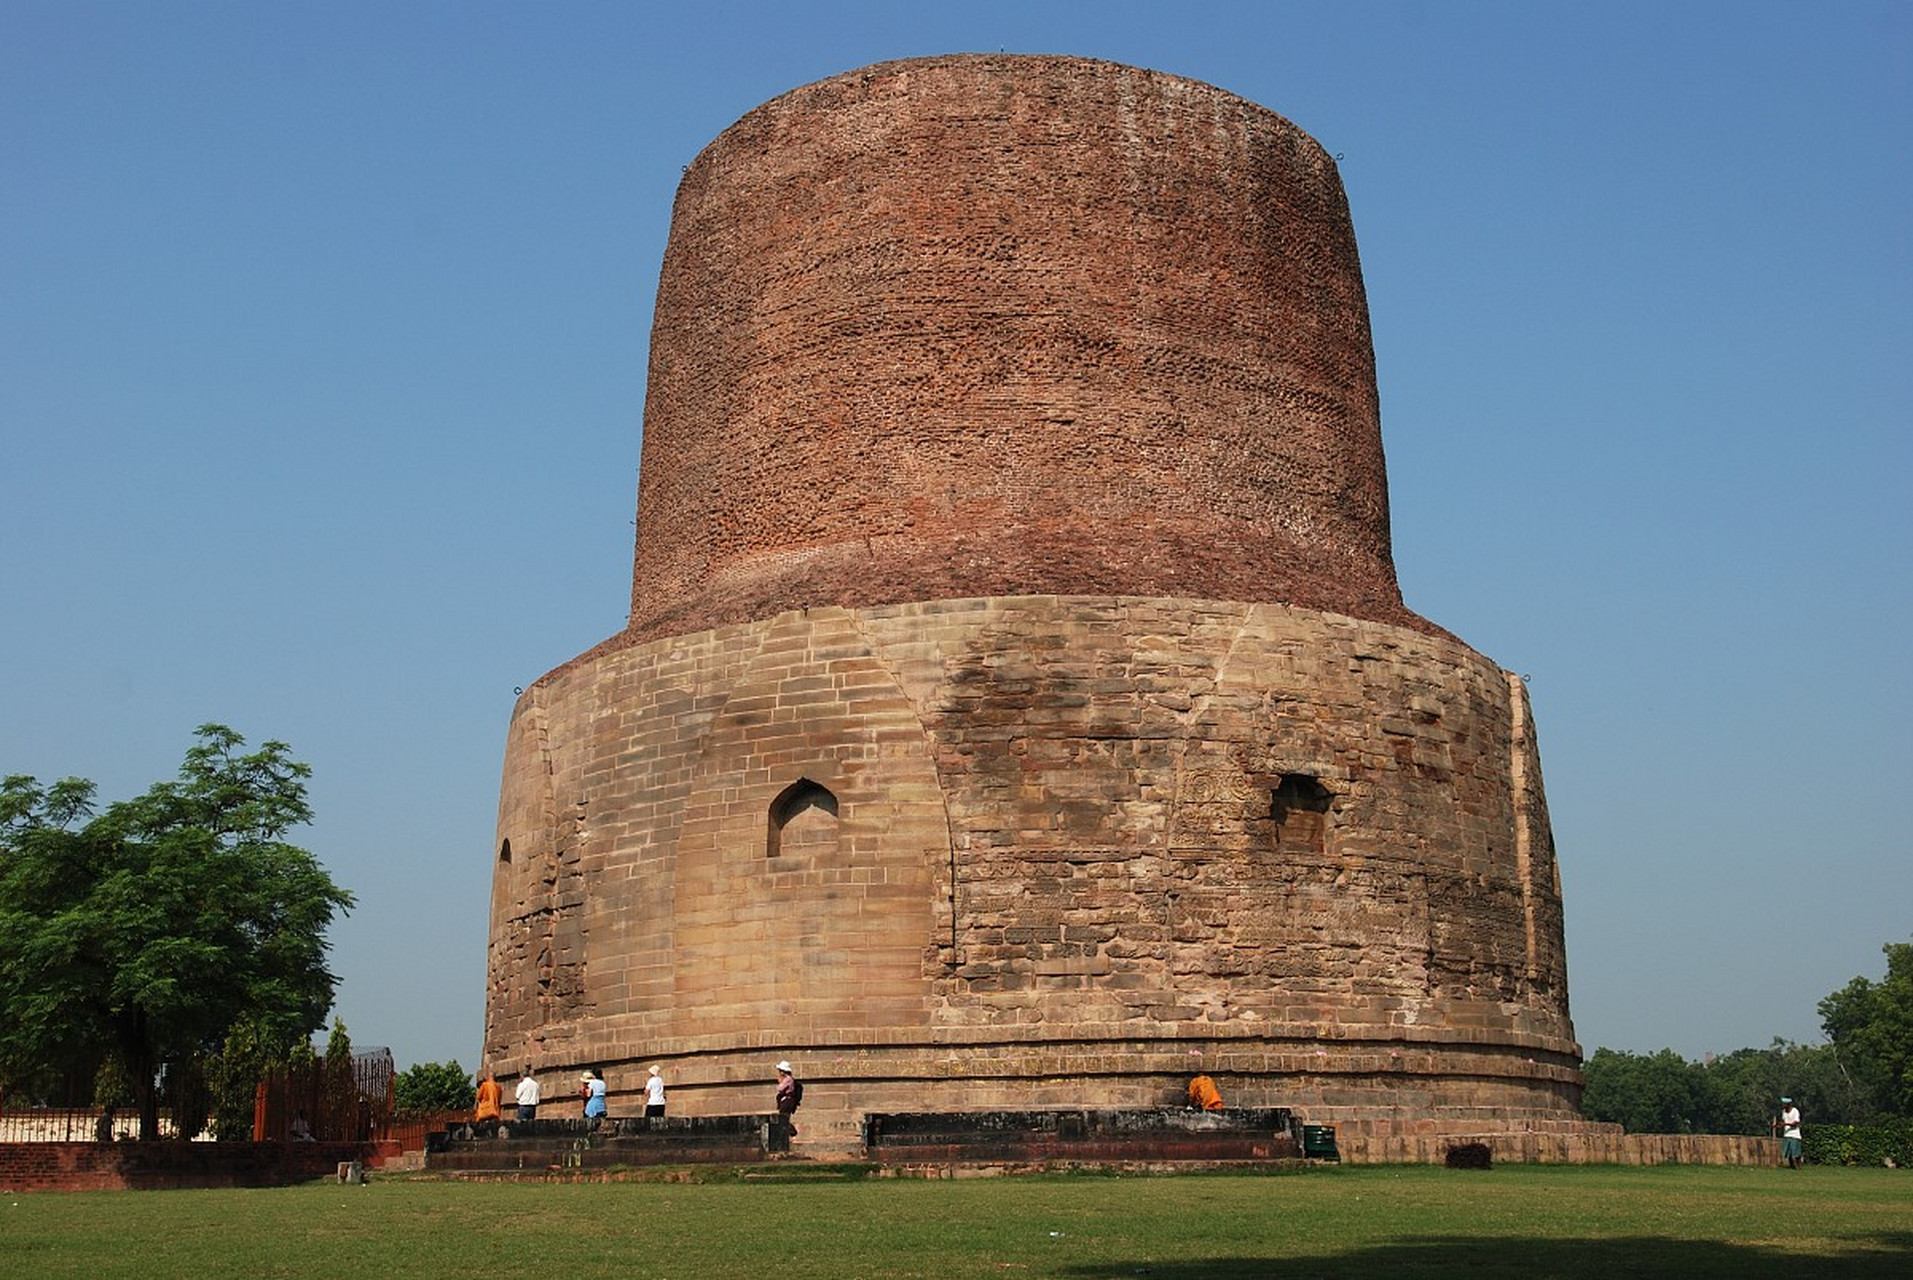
(784, 1066)
(654, 1070)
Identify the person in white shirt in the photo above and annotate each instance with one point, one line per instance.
(654, 1095)
(527, 1096)
(1790, 1133)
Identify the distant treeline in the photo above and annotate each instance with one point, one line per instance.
(1863, 1075)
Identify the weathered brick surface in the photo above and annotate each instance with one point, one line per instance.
(1589, 1144)
(1006, 325)
(116, 1166)
(545, 1145)
(1023, 1139)
(1018, 708)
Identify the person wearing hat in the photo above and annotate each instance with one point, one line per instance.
(790, 1094)
(592, 1087)
(1790, 1133)
(654, 1095)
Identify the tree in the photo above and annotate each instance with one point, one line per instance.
(1871, 1025)
(1739, 1092)
(144, 935)
(1644, 1093)
(426, 1088)
(236, 1070)
(338, 1086)
(1751, 1082)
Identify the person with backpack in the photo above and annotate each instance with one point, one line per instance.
(790, 1094)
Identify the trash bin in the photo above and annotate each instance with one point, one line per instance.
(1318, 1142)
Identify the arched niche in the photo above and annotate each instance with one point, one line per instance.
(803, 820)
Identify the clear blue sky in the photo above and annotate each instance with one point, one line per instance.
(323, 332)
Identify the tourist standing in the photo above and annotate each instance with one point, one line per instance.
(790, 1095)
(1790, 1150)
(594, 1097)
(527, 1096)
(490, 1108)
(654, 1095)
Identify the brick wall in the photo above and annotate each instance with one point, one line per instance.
(118, 1166)
(993, 325)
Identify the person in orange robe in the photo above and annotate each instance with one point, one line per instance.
(1204, 1095)
(490, 1102)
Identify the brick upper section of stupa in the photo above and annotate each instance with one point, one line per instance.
(992, 326)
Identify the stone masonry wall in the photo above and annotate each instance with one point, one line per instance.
(1589, 1144)
(1080, 846)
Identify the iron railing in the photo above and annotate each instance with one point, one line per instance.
(76, 1124)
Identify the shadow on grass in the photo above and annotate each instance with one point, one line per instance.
(1884, 1254)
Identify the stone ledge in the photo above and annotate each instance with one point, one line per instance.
(1597, 1145)
(1165, 1135)
(560, 1145)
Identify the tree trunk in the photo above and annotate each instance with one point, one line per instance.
(136, 1056)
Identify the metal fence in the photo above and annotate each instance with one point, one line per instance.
(76, 1124)
(296, 1103)
(293, 1103)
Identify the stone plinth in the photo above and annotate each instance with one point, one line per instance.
(543, 1146)
(1080, 848)
(1169, 1135)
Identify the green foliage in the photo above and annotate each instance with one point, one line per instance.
(145, 934)
(1646, 1093)
(234, 1079)
(1751, 1082)
(110, 1087)
(1871, 1024)
(429, 1087)
(338, 1090)
(1866, 1144)
(1739, 1093)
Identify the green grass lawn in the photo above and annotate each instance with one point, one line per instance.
(1511, 1221)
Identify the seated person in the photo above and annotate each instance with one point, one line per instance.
(1204, 1095)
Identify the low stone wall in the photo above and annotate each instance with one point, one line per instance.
(1568, 1148)
(560, 1146)
(120, 1166)
(1141, 1137)
(1040, 1137)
